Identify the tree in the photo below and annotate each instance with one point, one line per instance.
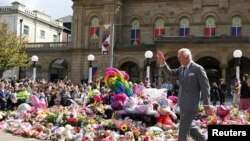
(12, 50)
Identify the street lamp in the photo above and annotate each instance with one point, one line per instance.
(90, 58)
(237, 55)
(34, 59)
(148, 55)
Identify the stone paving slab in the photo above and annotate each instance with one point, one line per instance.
(4, 136)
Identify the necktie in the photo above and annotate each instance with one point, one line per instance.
(183, 72)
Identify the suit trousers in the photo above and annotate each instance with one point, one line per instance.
(3, 105)
(187, 128)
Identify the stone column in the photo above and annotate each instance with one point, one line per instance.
(223, 71)
(141, 74)
(77, 27)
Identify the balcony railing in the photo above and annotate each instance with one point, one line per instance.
(50, 45)
(203, 39)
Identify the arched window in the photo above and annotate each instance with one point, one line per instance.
(210, 27)
(184, 27)
(135, 33)
(159, 29)
(94, 32)
(236, 26)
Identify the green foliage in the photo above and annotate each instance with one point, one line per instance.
(12, 49)
(51, 118)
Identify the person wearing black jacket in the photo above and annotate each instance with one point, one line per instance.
(245, 93)
(222, 91)
(214, 93)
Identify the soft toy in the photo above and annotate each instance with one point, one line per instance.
(38, 103)
(112, 136)
(68, 133)
(65, 133)
(129, 136)
(118, 100)
(117, 81)
(88, 132)
(164, 120)
(132, 107)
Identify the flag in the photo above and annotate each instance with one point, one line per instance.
(236, 31)
(135, 37)
(106, 39)
(105, 42)
(209, 31)
(94, 71)
(158, 32)
(184, 32)
(94, 32)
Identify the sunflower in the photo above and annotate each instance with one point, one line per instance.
(124, 127)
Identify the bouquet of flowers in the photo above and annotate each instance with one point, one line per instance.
(72, 120)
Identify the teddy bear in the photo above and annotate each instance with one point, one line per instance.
(65, 133)
(129, 136)
(166, 115)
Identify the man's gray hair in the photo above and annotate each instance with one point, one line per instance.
(186, 52)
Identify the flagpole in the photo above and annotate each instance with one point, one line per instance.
(112, 46)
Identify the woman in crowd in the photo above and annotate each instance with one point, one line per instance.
(12, 102)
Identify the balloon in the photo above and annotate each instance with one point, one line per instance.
(222, 111)
(23, 108)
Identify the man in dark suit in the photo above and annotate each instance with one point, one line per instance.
(193, 86)
(4, 96)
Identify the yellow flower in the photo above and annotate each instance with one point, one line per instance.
(124, 127)
(149, 134)
(92, 121)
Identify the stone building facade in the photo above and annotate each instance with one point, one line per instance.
(211, 29)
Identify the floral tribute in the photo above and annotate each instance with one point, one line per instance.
(100, 121)
(81, 123)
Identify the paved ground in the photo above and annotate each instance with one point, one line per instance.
(9, 137)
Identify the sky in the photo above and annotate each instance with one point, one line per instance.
(55, 8)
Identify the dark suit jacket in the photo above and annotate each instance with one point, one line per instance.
(5, 95)
(194, 85)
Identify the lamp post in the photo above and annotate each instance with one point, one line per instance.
(237, 55)
(148, 55)
(90, 58)
(34, 59)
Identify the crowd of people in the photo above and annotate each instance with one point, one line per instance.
(16, 92)
(62, 92)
